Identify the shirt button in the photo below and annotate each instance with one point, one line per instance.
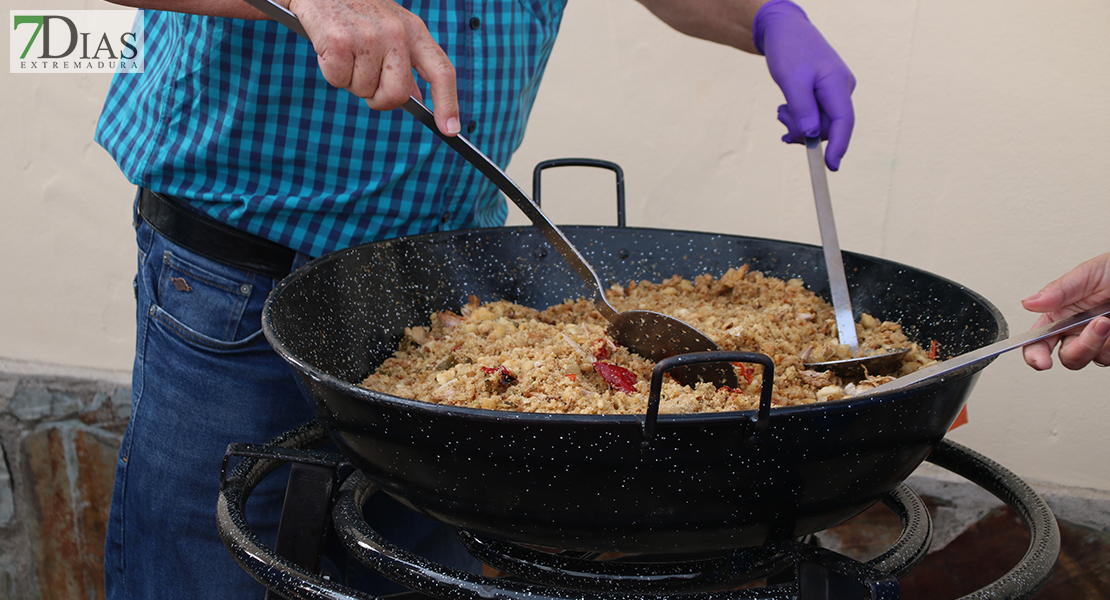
(475, 22)
(471, 126)
(446, 218)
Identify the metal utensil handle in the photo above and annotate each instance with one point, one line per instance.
(483, 164)
(992, 350)
(510, 189)
(834, 263)
(281, 15)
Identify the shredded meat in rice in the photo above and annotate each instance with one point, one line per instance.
(505, 356)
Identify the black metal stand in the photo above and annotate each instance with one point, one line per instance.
(291, 570)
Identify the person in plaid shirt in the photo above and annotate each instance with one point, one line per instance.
(254, 151)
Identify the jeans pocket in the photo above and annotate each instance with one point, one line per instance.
(203, 306)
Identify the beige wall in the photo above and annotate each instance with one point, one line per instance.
(977, 156)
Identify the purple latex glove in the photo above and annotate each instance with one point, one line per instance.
(815, 81)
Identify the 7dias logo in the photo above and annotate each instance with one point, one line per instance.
(76, 41)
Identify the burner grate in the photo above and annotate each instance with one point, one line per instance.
(817, 573)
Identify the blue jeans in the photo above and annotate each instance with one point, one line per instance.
(205, 377)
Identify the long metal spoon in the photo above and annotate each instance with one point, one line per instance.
(650, 334)
(838, 283)
(947, 367)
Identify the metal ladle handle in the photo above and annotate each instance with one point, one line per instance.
(834, 262)
(945, 368)
(492, 172)
(480, 161)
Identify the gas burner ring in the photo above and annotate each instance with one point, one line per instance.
(815, 567)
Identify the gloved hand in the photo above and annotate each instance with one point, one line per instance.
(815, 81)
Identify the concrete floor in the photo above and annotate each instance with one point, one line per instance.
(978, 539)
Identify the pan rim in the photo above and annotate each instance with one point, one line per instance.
(366, 394)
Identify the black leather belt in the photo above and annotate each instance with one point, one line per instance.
(212, 239)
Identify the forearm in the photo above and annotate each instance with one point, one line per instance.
(726, 22)
(237, 9)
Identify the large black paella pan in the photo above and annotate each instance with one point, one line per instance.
(702, 482)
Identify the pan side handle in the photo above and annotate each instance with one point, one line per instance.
(582, 162)
(762, 417)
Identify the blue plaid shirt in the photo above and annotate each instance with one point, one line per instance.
(235, 117)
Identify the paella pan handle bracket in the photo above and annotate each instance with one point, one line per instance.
(581, 162)
(763, 415)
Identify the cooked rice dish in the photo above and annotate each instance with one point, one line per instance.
(505, 356)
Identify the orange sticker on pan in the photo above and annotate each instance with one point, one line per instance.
(960, 418)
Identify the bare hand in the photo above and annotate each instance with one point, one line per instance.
(370, 48)
(1084, 287)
